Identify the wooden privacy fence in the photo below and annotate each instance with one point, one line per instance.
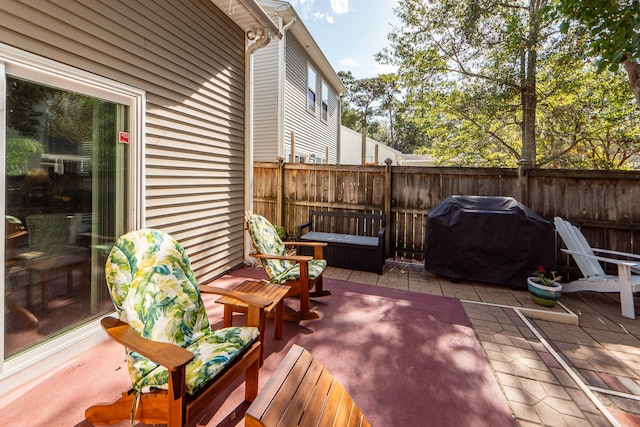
(606, 205)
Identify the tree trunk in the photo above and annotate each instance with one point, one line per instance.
(529, 105)
(529, 100)
(633, 71)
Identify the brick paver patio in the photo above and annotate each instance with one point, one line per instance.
(575, 364)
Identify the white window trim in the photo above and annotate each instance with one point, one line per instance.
(37, 361)
(313, 89)
(324, 101)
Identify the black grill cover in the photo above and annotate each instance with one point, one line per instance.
(487, 239)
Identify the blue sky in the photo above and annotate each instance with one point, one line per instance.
(350, 32)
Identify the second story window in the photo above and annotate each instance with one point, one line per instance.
(325, 102)
(311, 89)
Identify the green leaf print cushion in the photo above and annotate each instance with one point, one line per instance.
(155, 291)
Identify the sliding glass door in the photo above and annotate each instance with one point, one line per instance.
(67, 197)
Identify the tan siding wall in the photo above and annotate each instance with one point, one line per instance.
(266, 100)
(312, 135)
(188, 57)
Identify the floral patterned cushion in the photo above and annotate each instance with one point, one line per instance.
(155, 291)
(266, 241)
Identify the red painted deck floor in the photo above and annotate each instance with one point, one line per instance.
(515, 361)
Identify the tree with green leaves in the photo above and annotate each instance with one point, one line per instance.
(590, 124)
(482, 57)
(364, 94)
(613, 29)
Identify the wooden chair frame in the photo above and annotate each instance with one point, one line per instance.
(174, 406)
(595, 279)
(301, 287)
(302, 392)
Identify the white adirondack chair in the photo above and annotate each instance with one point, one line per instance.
(595, 279)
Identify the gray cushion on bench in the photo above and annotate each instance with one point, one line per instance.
(316, 236)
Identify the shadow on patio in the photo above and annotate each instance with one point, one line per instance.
(407, 357)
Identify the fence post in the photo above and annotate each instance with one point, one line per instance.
(523, 178)
(280, 192)
(387, 206)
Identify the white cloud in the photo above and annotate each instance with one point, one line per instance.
(377, 69)
(307, 9)
(339, 6)
(348, 63)
(319, 16)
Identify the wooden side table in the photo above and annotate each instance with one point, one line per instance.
(262, 288)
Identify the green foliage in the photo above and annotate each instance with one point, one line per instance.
(480, 58)
(612, 27)
(25, 101)
(489, 83)
(592, 124)
(19, 151)
(350, 117)
(363, 94)
(71, 116)
(282, 233)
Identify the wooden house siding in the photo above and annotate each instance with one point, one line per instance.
(312, 135)
(189, 58)
(267, 103)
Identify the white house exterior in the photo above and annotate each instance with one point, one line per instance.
(415, 160)
(377, 153)
(117, 116)
(297, 95)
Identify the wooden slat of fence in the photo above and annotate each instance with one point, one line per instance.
(605, 203)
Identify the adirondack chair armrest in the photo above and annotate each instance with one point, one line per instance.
(610, 252)
(295, 258)
(318, 247)
(240, 296)
(619, 262)
(169, 355)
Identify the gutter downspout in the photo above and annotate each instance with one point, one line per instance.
(282, 59)
(262, 38)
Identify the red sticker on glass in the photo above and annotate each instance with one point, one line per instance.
(123, 137)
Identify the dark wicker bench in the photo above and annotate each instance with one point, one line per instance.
(355, 240)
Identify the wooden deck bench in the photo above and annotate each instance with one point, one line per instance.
(301, 392)
(354, 240)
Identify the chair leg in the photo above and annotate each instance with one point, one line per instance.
(279, 311)
(120, 410)
(251, 380)
(227, 317)
(319, 292)
(152, 409)
(626, 291)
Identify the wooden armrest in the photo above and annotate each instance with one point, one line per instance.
(240, 296)
(169, 355)
(603, 259)
(610, 252)
(318, 247)
(294, 258)
(315, 244)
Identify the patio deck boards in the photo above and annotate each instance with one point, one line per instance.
(552, 374)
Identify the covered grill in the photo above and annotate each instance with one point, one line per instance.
(487, 239)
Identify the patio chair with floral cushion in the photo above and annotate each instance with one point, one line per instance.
(177, 363)
(301, 272)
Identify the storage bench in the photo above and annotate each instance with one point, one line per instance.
(354, 240)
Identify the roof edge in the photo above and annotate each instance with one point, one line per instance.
(247, 14)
